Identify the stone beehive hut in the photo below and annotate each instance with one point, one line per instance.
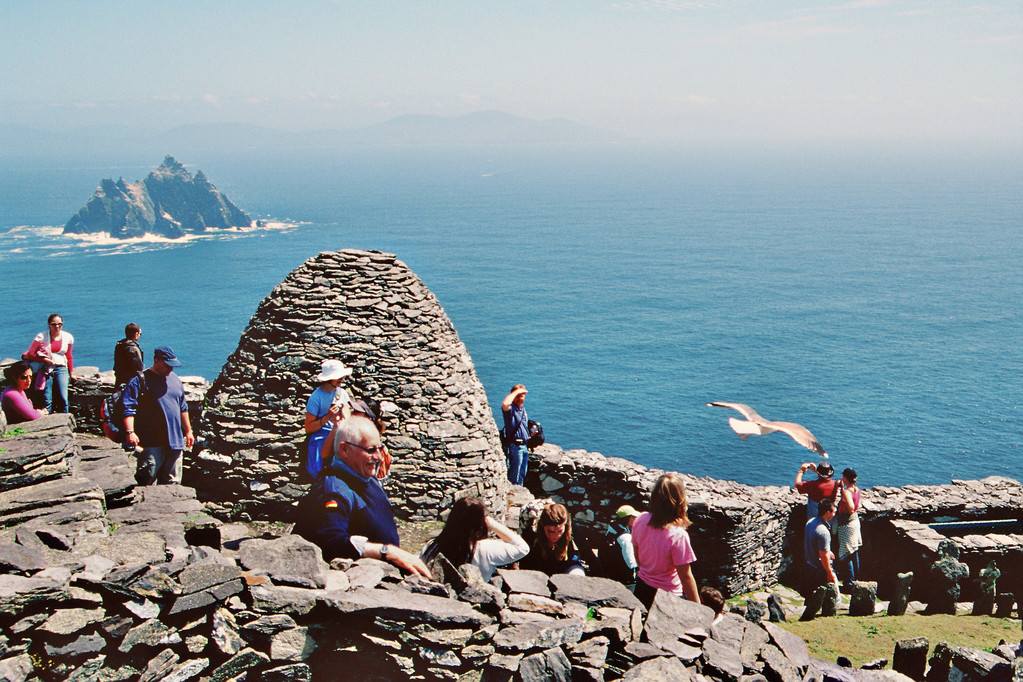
(370, 311)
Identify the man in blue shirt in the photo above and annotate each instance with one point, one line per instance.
(817, 547)
(347, 513)
(516, 431)
(156, 420)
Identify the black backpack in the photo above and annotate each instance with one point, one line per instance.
(111, 411)
(536, 438)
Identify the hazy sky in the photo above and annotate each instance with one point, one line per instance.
(867, 69)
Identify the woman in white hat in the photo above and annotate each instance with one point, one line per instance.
(325, 405)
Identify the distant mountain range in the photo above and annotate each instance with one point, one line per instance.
(481, 128)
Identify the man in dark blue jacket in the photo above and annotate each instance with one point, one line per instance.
(348, 513)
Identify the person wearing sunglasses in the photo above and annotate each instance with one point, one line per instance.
(17, 406)
(50, 356)
(347, 513)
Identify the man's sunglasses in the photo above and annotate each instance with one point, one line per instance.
(374, 450)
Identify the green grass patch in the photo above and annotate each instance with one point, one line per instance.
(867, 638)
(16, 431)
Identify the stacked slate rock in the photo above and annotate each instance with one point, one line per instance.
(103, 581)
(370, 311)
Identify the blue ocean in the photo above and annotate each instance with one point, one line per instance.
(875, 299)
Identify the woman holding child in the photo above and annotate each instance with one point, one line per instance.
(50, 357)
(324, 406)
(663, 549)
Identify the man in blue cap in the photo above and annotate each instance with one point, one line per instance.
(156, 420)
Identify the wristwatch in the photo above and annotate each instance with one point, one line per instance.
(384, 549)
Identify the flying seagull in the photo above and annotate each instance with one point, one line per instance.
(758, 426)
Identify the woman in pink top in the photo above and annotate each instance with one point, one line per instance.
(16, 405)
(50, 353)
(662, 545)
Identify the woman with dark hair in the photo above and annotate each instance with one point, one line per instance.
(464, 539)
(848, 522)
(16, 405)
(663, 550)
(50, 356)
(552, 550)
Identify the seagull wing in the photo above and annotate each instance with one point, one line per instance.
(801, 435)
(745, 411)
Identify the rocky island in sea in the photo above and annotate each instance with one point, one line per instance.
(170, 202)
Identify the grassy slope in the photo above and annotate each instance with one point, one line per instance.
(868, 638)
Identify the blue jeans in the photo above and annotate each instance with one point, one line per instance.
(158, 464)
(56, 379)
(518, 462)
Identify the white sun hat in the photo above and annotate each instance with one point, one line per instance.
(333, 369)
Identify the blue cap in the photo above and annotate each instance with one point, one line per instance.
(166, 353)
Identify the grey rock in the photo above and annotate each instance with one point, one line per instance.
(671, 616)
(70, 621)
(292, 645)
(530, 636)
(593, 591)
(416, 608)
(201, 576)
(213, 595)
(729, 630)
(971, 664)
(21, 560)
(160, 666)
(754, 639)
(722, 659)
(295, 672)
(778, 667)
(365, 575)
(551, 664)
(662, 669)
(82, 645)
(187, 670)
(16, 668)
(244, 660)
(150, 633)
(910, 657)
(143, 608)
(755, 611)
(289, 560)
(775, 609)
(531, 582)
(266, 626)
(18, 593)
(293, 601)
(863, 599)
(224, 632)
(900, 596)
(789, 644)
(590, 653)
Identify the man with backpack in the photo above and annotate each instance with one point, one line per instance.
(516, 433)
(154, 404)
(128, 355)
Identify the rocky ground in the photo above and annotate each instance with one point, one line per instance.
(102, 580)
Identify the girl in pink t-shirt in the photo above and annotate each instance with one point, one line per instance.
(662, 543)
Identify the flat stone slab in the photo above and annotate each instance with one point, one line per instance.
(417, 608)
(594, 591)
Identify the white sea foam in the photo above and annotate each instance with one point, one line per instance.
(49, 241)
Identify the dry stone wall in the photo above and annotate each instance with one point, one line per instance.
(370, 311)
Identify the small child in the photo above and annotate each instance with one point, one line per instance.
(715, 600)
